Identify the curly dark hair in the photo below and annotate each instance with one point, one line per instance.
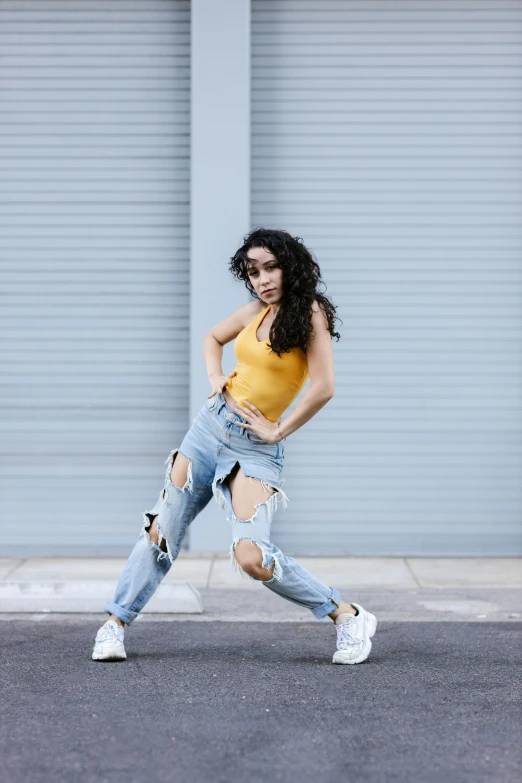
(301, 276)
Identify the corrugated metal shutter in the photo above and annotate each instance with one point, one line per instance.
(387, 135)
(94, 240)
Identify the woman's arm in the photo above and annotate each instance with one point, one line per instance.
(320, 359)
(223, 333)
(213, 355)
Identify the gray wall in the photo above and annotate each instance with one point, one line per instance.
(387, 135)
(138, 146)
(94, 245)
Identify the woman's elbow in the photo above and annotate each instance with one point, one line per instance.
(325, 392)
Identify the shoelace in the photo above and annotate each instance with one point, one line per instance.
(346, 635)
(109, 633)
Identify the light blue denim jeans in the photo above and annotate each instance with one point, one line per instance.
(213, 445)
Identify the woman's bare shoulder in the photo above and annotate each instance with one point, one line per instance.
(247, 312)
(319, 320)
(230, 327)
(253, 308)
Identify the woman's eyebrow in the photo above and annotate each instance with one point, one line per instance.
(254, 260)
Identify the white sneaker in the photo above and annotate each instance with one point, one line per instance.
(109, 643)
(353, 635)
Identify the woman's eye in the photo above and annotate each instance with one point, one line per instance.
(273, 266)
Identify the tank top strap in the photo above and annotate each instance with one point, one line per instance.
(256, 322)
(260, 317)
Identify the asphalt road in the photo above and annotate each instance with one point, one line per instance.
(227, 702)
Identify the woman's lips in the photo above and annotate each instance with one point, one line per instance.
(270, 291)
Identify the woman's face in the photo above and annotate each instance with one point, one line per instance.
(265, 275)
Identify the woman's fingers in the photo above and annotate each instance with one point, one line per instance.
(245, 413)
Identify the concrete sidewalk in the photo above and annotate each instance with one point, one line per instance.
(475, 588)
(215, 571)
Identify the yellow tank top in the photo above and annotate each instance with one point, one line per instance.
(268, 381)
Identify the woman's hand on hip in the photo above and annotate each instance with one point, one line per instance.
(218, 382)
(257, 423)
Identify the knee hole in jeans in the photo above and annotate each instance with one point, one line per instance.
(179, 471)
(249, 555)
(154, 532)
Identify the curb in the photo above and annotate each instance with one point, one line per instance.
(80, 597)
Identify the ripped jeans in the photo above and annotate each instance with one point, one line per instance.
(213, 445)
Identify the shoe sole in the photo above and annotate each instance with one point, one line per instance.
(371, 628)
(116, 654)
(113, 657)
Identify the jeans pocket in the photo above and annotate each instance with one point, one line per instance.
(256, 439)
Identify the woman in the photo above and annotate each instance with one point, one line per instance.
(234, 449)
